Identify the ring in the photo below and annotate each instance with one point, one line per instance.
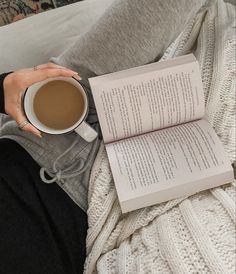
(23, 124)
(35, 68)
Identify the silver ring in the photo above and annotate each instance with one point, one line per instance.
(35, 68)
(23, 124)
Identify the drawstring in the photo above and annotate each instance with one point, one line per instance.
(59, 175)
(56, 177)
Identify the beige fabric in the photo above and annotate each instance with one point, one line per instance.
(188, 235)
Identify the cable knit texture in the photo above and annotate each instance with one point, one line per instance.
(188, 235)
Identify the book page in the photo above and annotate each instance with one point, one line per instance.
(136, 104)
(165, 159)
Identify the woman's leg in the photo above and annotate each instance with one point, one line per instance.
(129, 34)
(42, 230)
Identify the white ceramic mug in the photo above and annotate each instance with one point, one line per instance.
(80, 127)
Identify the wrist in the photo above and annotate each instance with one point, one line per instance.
(3, 85)
(7, 81)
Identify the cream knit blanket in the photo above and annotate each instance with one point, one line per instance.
(188, 235)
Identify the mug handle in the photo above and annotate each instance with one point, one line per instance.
(86, 132)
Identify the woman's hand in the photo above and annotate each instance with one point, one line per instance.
(16, 83)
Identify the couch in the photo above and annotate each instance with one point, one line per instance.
(34, 40)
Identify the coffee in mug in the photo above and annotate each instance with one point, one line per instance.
(58, 105)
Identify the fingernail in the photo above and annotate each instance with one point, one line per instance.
(77, 76)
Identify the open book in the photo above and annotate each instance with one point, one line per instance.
(158, 143)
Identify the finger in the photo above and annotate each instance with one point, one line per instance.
(30, 128)
(19, 117)
(48, 65)
(51, 65)
(43, 74)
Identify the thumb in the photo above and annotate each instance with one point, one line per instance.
(30, 128)
(20, 118)
(14, 108)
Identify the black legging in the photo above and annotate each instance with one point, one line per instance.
(41, 229)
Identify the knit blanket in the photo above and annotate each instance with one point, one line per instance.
(193, 234)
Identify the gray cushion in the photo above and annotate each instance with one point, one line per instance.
(34, 40)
